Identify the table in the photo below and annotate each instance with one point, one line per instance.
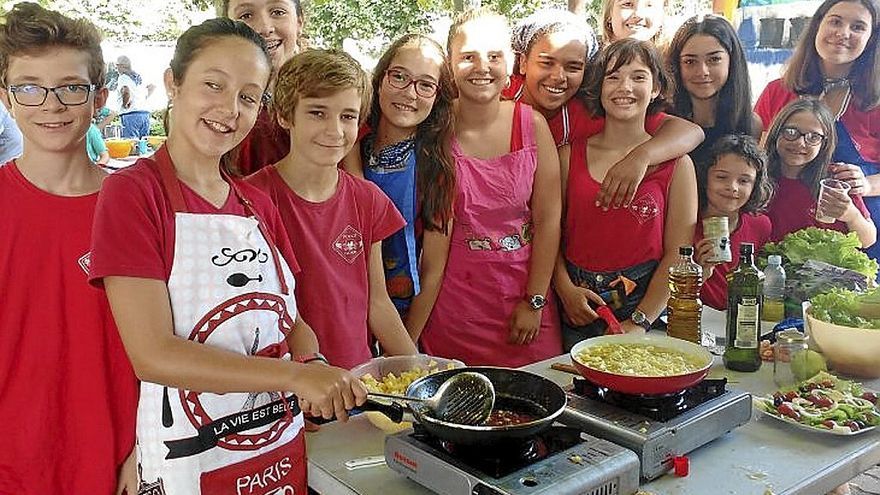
(763, 456)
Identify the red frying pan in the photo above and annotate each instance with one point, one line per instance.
(644, 385)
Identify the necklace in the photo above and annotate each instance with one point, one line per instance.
(830, 84)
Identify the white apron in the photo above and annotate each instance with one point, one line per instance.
(228, 290)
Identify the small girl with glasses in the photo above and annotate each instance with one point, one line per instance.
(799, 146)
(404, 150)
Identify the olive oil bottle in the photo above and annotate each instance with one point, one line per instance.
(744, 300)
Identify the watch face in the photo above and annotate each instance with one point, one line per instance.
(537, 301)
(638, 317)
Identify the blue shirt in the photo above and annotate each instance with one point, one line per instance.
(10, 137)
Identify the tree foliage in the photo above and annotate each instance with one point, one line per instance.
(329, 22)
(332, 21)
(134, 20)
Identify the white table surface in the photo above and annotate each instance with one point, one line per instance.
(762, 457)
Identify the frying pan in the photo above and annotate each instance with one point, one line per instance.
(515, 390)
(643, 385)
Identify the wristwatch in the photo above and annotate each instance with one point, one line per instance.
(308, 358)
(536, 301)
(640, 319)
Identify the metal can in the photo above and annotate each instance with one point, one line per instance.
(716, 229)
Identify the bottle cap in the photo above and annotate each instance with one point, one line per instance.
(681, 465)
(774, 259)
(686, 250)
(746, 248)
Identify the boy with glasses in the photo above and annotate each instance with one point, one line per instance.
(67, 390)
(336, 222)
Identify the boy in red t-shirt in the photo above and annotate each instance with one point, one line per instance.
(336, 222)
(67, 389)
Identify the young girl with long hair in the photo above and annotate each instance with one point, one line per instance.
(733, 183)
(708, 66)
(405, 151)
(800, 144)
(280, 24)
(552, 49)
(621, 256)
(837, 61)
(492, 308)
(198, 271)
(638, 19)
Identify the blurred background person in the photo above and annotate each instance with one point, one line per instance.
(133, 94)
(10, 137)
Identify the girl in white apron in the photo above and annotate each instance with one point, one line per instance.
(182, 247)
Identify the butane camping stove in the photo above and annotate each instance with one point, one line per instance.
(657, 428)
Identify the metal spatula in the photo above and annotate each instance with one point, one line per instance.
(466, 398)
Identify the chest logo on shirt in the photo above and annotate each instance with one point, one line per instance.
(644, 208)
(349, 244)
(262, 418)
(85, 262)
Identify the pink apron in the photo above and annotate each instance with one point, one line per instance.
(488, 265)
(228, 289)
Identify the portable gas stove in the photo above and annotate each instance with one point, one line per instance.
(559, 461)
(657, 428)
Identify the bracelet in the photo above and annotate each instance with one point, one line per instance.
(308, 358)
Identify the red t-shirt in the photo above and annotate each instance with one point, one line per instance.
(332, 240)
(68, 394)
(602, 241)
(573, 121)
(793, 208)
(134, 224)
(863, 127)
(752, 228)
(267, 143)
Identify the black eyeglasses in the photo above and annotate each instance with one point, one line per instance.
(793, 134)
(32, 95)
(401, 80)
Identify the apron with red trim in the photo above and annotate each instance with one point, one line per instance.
(228, 289)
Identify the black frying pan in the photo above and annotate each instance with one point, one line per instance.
(515, 390)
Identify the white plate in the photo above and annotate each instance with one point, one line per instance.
(761, 402)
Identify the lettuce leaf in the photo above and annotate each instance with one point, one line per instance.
(841, 307)
(829, 246)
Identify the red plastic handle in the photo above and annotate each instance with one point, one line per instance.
(606, 314)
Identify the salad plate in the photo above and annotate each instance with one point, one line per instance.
(764, 405)
(824, 404)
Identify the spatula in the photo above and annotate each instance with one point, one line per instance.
(466, 398)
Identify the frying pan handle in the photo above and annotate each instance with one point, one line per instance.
(394, 411)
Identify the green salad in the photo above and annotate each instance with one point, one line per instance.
(841, 307)
(829, 246)
(825, 402)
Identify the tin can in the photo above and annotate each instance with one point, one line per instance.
(716, 229)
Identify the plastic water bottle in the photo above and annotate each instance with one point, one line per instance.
(684, 307)
(774, 289)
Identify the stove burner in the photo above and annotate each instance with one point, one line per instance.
(657, 407)
(503, 461)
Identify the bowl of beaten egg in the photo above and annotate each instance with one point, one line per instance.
(641, 363)
(392, 375)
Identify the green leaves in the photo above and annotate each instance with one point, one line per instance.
(841, 307)
(829, 246)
